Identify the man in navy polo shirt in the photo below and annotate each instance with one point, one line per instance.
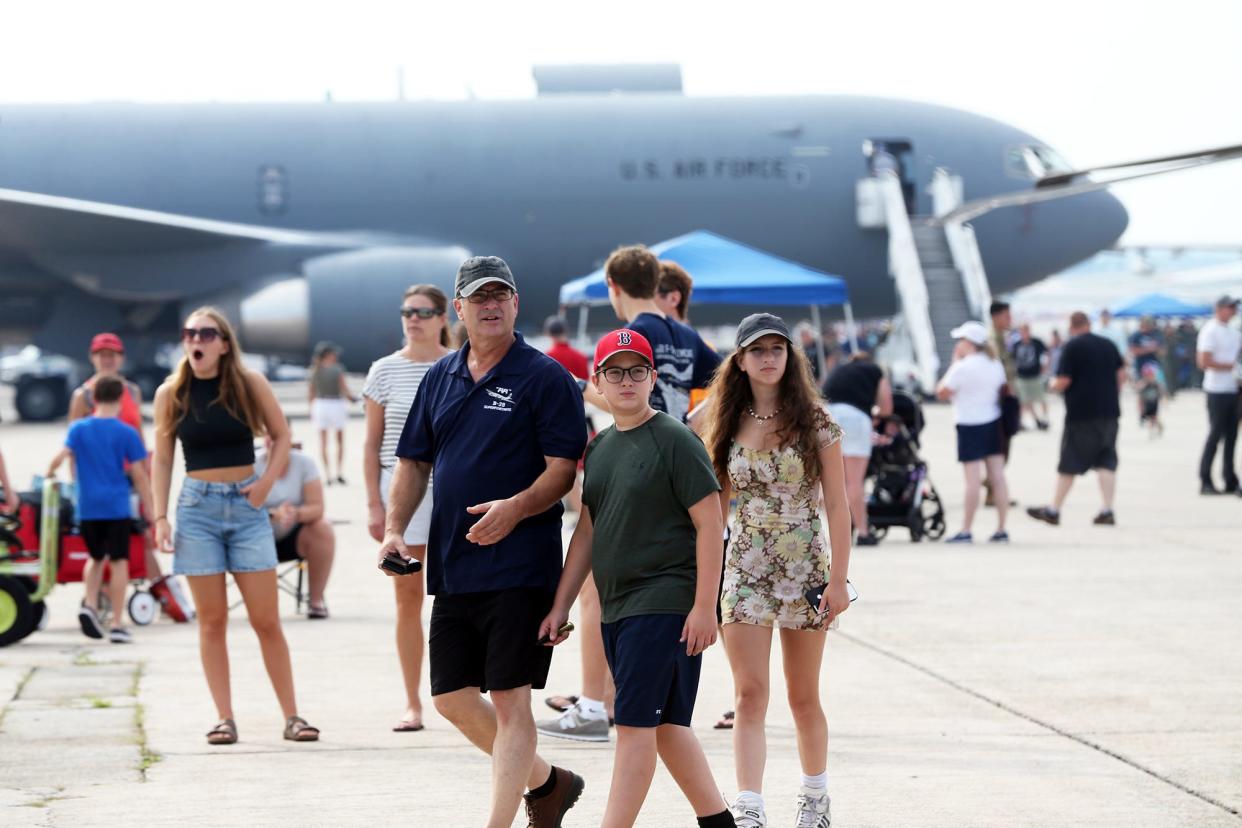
(501, 426)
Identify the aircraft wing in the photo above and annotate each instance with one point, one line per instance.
(36, 223)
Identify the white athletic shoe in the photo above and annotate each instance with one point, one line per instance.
(749, 814)
(576, 725)
(813, 811)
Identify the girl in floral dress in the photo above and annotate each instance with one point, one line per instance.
(777, 449)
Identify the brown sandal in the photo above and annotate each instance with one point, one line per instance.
(725, 722)
(224, 733)
(297, 730)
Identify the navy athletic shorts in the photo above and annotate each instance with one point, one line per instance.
(656, 681)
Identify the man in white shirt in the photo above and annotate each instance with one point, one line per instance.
(1216, 354)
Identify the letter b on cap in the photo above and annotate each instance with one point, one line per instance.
(624, 338)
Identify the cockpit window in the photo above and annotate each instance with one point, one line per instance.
(1034, 161)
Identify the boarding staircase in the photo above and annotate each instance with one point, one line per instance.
(936, 267)
(947, 303)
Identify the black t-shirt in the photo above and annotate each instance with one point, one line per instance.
(1146, 339)
(854, 383)
(1028, 357)
(1091, 362)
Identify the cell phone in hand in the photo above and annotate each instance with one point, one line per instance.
(816, 594)
(568, 626)
(398, 565)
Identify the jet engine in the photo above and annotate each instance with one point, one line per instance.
(348, 298)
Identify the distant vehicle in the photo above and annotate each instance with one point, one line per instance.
(43, 382)
(305, 222)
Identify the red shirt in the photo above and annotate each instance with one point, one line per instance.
(574, 361)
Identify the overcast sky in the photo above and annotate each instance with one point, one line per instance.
(1099, 80)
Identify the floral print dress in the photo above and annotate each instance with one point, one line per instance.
(777, 549)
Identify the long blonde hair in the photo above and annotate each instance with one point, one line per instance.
(234, 394)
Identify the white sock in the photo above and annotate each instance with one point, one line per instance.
(817, 784)
(591, 708)
(751, 798)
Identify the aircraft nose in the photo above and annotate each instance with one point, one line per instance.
(1109, 218)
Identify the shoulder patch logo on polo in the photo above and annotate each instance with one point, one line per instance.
(624, 338)
(501, 399)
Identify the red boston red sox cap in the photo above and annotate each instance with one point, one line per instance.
(615, 342)
(107, 342)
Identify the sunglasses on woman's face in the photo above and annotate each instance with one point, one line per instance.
(421, 313)
(202, 334)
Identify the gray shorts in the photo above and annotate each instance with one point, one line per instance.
(1030, 390)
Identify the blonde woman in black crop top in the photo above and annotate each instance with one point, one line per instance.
(216, 407)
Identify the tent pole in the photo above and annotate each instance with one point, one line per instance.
(850, 329)
(819, 343)
(582, 324)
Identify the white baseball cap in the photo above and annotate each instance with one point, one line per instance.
(972, 332)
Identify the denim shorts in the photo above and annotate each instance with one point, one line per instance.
(219, 531)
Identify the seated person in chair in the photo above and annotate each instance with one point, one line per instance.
(295, 505)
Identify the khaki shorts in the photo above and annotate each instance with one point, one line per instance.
(1031, 390)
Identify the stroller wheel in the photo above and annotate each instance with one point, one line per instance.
(142, 607)
(41, 615)
(16, 611)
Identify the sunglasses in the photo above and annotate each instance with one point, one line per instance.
(203, 334)
(421, 313)
(637, 373)
(498, 295)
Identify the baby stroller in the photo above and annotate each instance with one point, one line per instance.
(902, 493)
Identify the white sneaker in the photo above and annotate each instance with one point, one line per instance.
(813, 811)
(749, 814)
(575, 724)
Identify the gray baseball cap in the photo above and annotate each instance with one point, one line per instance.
(760, 324)
(477, 271)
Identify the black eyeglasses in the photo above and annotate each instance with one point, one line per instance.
(636, 373)
(421, 313)
(481, 296)
(203, 334)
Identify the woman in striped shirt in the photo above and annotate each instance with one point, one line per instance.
(391, 385)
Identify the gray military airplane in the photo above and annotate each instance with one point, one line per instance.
(306, 221)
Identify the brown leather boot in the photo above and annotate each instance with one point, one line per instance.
(548, 811)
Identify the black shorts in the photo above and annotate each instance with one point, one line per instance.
(287, 547)
(656, 681)
(975, 442)
(107, 538)
(489, 640)
(1087, 445)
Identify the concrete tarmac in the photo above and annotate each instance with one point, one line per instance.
(1081, 675)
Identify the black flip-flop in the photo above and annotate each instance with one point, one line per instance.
(407, 727)
(725, 722)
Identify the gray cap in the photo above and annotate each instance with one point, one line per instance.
(1227, 301)
(477, 271)
(760, 324)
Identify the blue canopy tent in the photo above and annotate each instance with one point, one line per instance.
(1161, 305)
(727, 272)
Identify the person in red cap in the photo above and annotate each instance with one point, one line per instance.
(650, 533)
(108, 358)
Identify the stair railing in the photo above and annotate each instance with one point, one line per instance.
(907, 271)
(946, 193)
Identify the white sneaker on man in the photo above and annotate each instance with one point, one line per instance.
(576, 724)
(814, 810)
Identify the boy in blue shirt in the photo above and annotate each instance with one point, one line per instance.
(104, 451)
(650, 533)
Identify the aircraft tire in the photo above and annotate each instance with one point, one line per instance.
(43, 399)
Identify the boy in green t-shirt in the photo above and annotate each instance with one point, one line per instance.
(650, 532)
